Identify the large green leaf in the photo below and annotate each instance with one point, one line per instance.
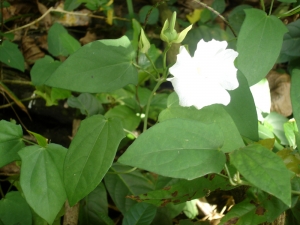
(94, 208)
(295, 93)
(60, 42)
(139, 214)
(259, 44)
(242, 109)
(178, 148)
(264, 169)
(90, 155)
(183, 190)
(120, 184)
(14, 209)
(10, 142)
(100, 66)
(43, 69)
(11, 55)
(210, 114)
(41, 179)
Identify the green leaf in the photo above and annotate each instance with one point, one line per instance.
(152, 18)
(121, 184)
(41, 179)
(183, 190)
(219, 6)
(242, 109)
(211, 114)
(10, 142)
(139, 214)
(291, 159)
(294, 69)
(264, 169)
(11, 55)
(43, 69)
(94, 207)
(100, 66)
(178, 148)
(70, 5)
(90, 155)
(237, 16)
(259, 44)
(14, 209)
(87, 103)
(274, 122)
(60, 42)
(290, 131)
(128, 117)
(257, 208)
(41, 140)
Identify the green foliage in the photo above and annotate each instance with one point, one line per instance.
(260, 36)
(172, 155)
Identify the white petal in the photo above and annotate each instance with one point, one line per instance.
(207, 50)
(184, 64)
(261, 95)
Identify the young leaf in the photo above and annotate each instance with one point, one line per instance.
(210, 114)
(178, 148)
(41, 140)
(14, 209)
(120, 185)
(129, 118)
(242, 109)
(90, 155)
(259, 44)
(41, 179)
(60, 42)
(264, 169)
(10, 142)
(11, 55)
(139, 214)
(100, 66)
(87, 103)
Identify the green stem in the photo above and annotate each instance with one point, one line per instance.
(140, 68)
(29, 142)
(127, 171)
(150, 60)
(229, 176)
(295, 192)
(149, 102)
(130, 9)
(270, 11)
(262, 3)
(1, 192)
(129, 132)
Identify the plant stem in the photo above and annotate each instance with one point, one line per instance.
(270, 11)
(262, 3)
(1, 192)
(149, 102)
(218, 14)
(295, 192)
(229, 176)
(129, 132)
(150, 60)
(22, 100)
(130, 9)
(22, 82)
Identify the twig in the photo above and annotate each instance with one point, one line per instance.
(25, 82)
(51, 9)
(218, 14)
(22, 100)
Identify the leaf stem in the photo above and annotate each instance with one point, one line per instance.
(127, 171)
(296, 192)
(271, 7)
(130, 8)
(149, 102)
(262, 3)
(229, 176)
(153, 65)
(129, 132)
(218, 14)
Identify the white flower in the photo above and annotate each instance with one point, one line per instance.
(262, 97)
(202, 80)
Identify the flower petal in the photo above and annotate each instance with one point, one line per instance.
(184, 65)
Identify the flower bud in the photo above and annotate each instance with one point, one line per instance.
(144, 44)
(169, 34)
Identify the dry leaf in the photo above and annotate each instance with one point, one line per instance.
(47, 19)
(89, 37)
(280, 84)
(30, 50)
